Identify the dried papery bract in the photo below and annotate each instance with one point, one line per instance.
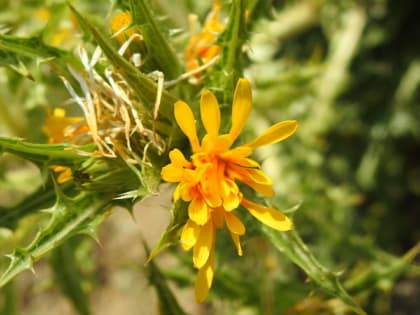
(111, 110)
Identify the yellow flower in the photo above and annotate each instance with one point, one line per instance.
(63, 35)
(201, 48)
(208, 181)
(64, 173)
(120, 27)
(59, 128)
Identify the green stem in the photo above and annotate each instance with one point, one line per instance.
(233, 39)
(9, 300)
(42, 198)
(67, 274)
(295, 249)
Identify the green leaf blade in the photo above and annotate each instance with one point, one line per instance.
(295, 249)
(69, 217)
(146, 89)
(159, 48)
(58, 154)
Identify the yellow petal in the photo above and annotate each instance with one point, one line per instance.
(198, 211)
(225, 187)
(120, 21)
(209, 187)
(59, 112)
(234, 224)
(231, 201)
(56, 124)
(230, 194)
(241, 108)
(265, 190)
(275, 133)
(178, 159)
(119, 26)
(219, 144)
(189, 235)
(185, 119)
(213, 200)
(210, 113)
(269, 216)
(213, 19)
(204, 244)
(239, 173)
(204, 279)
(218, 217)
(187, 191)
(240, 152)
(177, 192)
(171, 173)
(65, 175)
(237, 242)
(249, 163)
(259, 177)
(190, 176)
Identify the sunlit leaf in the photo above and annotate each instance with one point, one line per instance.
(157, 44)
(290, 244)
(69, 217)
(172, 233)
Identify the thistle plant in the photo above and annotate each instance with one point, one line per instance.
(132, 104)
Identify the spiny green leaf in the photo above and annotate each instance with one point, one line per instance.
(70, 216)
(383, 269)
(58, 154)
(149, 179)
(108, 176)
(295, 249)
(35, 48)
(32, 47)
(42, 198)
(171, 235)
(11, 60)
(157, 45)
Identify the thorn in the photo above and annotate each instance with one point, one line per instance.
(11, 257)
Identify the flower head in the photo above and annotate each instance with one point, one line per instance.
(119, 26)
(59, 128)
(209, 180)
(201, 48)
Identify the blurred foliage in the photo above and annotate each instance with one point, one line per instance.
(348, 71)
